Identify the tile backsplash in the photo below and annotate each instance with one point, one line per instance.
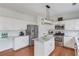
(72, 33)
(10, 33)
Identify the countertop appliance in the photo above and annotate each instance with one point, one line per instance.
(21, 33)
(32, 31)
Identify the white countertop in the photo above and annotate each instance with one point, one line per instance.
(41, 39)
(13, 37)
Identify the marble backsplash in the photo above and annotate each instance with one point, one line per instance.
(71, 33)
(11, 32)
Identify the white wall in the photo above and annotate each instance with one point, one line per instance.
(14, 14)
(14, 24)
(12, 20)
(15, 19)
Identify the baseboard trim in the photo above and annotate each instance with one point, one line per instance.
(68, 48)
(51, 52)
(11, 49)
(22, 48)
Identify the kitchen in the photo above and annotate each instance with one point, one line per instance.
(21, 29)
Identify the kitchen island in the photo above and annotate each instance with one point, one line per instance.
(44, 46)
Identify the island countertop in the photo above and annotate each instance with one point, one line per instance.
(44, 39)
(44, 46)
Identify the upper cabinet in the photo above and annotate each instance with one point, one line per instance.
(76, 24)
(71, 24)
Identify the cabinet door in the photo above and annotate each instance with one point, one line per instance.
(69, 42)
(69, 25)
(20, 42)
(26, 39)
(76, 25)
(38, 48)
(49, 46)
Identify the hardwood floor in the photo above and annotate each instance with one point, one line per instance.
(29, 51)
(7, 53)
(63, 51)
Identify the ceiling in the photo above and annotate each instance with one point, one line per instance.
(40, 9)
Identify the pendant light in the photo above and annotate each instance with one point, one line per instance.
(46, 19)
(47, 12)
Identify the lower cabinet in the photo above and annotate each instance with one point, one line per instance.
(49, 47)
(20, 42)
(69, 42)
(5, 44)
(43, 48)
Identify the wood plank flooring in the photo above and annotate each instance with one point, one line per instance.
(29, 51)
(8, 52)
(63, 51)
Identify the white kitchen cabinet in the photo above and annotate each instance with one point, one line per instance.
(76, 24)
(43, 48)
(72, 24)
(20, 42)
(49, 46)
(69, 25)
(5, 44)
(69, 42)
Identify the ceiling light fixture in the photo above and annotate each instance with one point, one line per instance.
(46, 19)
(74, 3)
(47, 12)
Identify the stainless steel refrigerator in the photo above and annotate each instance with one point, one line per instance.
(32, 31)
